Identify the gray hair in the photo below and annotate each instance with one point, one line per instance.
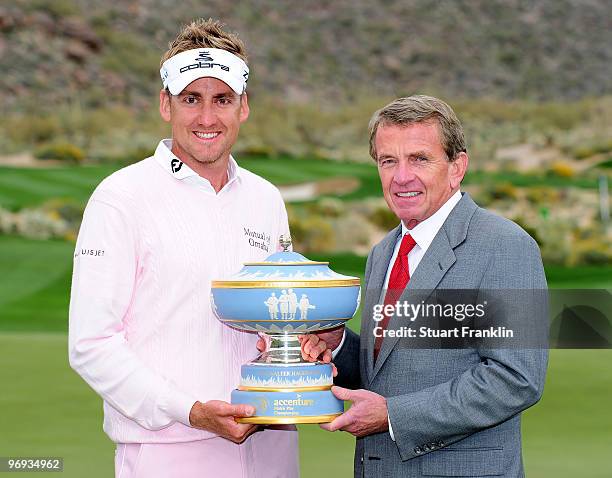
(421, 109)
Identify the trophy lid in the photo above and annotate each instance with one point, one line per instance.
(284, 258)
(286, 266)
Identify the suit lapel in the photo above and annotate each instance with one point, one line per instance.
(374, 287)
(435, 264)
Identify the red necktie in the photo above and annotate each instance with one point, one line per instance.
(398, 279)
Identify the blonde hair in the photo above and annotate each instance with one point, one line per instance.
(421, 109)
(205, 34)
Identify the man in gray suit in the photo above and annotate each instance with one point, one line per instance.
(424, 411)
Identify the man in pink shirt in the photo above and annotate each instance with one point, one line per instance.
(142, 331)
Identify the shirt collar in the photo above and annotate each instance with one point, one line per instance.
(425, 231)
(175, 167)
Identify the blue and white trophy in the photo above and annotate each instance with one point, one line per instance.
(285, 296)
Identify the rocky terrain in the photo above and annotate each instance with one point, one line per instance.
(99, 53)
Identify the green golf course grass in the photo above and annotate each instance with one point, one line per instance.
(46, 409)
(28, 187)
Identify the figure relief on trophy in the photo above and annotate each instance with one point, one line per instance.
(285, 296)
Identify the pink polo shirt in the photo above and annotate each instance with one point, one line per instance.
(142, 333)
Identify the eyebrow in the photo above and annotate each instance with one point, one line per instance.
(190, 93)
(198, 95)
(414, 154)
(226, 94)
(417, 154)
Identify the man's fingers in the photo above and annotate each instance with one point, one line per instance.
(308, 357)
(261, 344)
(310, 344)
(312, 347)
(343, 393)
(244, 429)
(240, 410)
(327, 356)
(342, 421)
(238, 432)
(317, 350)
(334, 370)
(266, 341)
(314, 350)
(252, 429)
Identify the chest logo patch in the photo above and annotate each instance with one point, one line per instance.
(258, 239)
(176, 165)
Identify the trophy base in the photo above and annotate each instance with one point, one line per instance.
(288, 420)
(289, 393)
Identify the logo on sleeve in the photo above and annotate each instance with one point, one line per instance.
(89, 252)
(176, 165)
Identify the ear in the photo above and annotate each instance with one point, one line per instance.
(244, 107)
(164, 105)
(458, 169)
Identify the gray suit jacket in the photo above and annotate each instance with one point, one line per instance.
(454, 412)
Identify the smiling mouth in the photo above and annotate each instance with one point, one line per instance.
(409, 194)
(208, 136)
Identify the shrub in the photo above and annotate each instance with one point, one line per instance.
(329, 207)
(39, 224)
(352, 233)
(129, 157)
(557, 242)
(561, 169)
(129, 53)
(502, 191)
(592, 247)
(312, 234)
(384, 218)
(542, 195)
(492, 192)
(528, 229)
(7, 222)
(596, 257)
(586, 151)
(28, 129)
(56, 8)
(61, 151)
(582, 152)
(68, 210)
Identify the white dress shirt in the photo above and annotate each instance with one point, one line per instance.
(423, 234)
